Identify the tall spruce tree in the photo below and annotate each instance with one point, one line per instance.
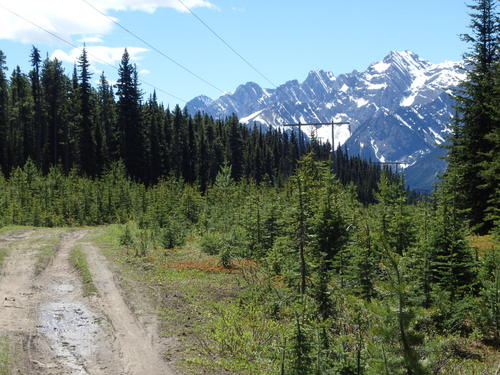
(153, 121)
(107, 120)
(451, 262)
(4, 114)
(235, 148)
(396, 282)
(86, 128)
(129, 118)
(21, 118)
(55, 89)
(39, 121)
(470, 143)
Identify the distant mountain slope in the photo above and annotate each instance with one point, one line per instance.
(399, 109)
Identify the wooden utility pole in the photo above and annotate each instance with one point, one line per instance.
(302, 233)
(331, 123)
(396, 163)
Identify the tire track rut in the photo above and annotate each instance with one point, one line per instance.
(60, 331)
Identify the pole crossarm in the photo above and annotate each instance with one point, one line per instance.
(331, 123)
(318, 123)
(396, 163)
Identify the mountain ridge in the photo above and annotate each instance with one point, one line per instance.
(399, 107)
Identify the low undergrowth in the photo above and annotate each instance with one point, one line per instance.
(237, 320)
(187, 288)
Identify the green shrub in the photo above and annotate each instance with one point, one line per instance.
(126, 238)
(226, 257)
(172, 235)
(213, 242)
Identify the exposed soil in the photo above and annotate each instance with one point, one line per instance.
(57, 331)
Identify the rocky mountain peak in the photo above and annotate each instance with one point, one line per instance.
(399, 107)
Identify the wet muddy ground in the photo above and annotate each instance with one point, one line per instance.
(56, 329)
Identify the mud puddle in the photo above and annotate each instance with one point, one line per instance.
(71, 330)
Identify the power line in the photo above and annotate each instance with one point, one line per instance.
(153, 47)
(226, 43)
(95, 57)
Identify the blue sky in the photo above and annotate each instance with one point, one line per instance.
(284, 39)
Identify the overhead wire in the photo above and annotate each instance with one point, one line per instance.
(157, 50)
(225, 43)
(90, 54)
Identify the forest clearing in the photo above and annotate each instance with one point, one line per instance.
(138, 238)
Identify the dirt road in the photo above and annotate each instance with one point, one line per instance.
(57, 331)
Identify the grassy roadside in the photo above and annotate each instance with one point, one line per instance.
(79, 261)
(5, 356)
(3, 254)
(189, 290)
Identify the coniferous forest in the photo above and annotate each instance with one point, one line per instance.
(346, 271)
(59, 121)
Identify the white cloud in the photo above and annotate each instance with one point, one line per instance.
(150, 6)
(144, 71)
(73, 17)
(99, 54)
(91, 39)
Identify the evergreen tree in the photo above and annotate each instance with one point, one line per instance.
(55, 89)
(301, 350)
(61, 120)
(129, 118)
(204, 165)
(179, 138)
(106, 110)
(153, 121)
(451, 262)
(190, 153)
(86, 129)
(70, 130)
(363, 269)
(22, 140)
(235, 148)
(490, 171)
(471, 143)
(39, 120)
(4, 115)
(395, 222)
(490, 293)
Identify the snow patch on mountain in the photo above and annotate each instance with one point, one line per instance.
(380, 67)
(399, 108)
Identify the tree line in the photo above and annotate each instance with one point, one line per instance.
(57, 120)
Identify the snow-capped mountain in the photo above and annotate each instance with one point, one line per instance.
(399, 108)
